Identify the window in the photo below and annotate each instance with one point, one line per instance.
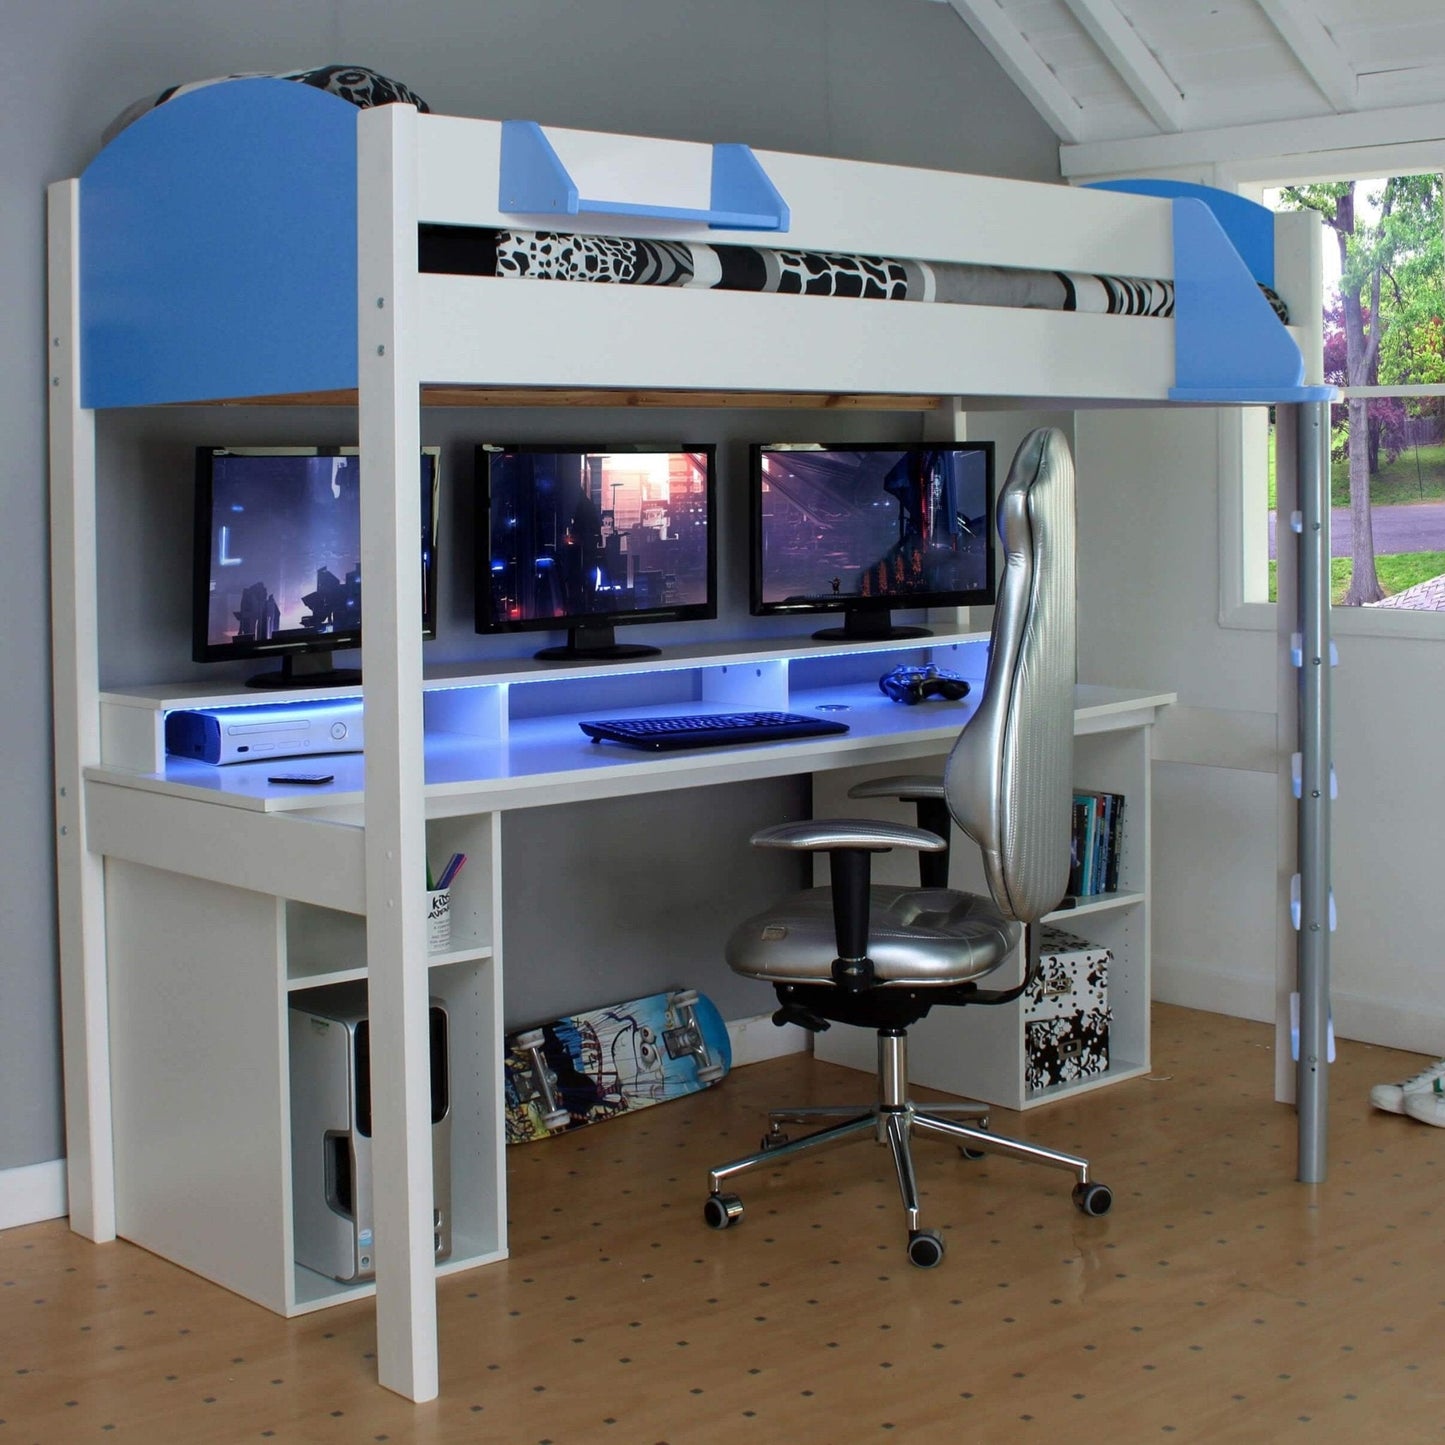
(1383, 305)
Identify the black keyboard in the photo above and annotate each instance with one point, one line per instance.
(709, 730)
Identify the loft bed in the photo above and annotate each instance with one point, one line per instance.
(230, 215)
(268, 243)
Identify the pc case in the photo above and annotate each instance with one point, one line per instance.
(331, 1176)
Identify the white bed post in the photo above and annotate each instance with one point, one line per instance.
(406, 1326)
(80, 875)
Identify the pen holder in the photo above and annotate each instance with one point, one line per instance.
(439, 920)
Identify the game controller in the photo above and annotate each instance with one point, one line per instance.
(914, 684)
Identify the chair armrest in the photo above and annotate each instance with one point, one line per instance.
(909, 788)
(821, 835)
(849, 844)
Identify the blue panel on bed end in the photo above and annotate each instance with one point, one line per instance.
(218, 248)
(1249, 226)
(1229, 346)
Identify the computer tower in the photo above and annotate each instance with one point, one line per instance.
(331, 1174)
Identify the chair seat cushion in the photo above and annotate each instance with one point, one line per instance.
(917, 938)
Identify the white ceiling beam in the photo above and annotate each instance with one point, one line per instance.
(1375, 88)
(1262, 141)
(1137, 65)
(1023, 65)
(1315, 49)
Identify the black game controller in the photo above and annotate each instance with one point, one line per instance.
(915, 684)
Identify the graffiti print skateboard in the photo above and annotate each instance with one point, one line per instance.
(589, 1066)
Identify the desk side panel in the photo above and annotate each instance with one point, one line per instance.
(202, 1142)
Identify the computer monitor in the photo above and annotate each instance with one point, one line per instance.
(863, 528)
(585, 538)
(278, 558)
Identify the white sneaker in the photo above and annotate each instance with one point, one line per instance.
(1428, 1107)
(1393, 1097)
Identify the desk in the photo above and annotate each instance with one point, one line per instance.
(225, 893)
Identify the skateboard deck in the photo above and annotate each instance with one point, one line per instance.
(590, 1066)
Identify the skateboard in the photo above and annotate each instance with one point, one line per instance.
(590, 1066)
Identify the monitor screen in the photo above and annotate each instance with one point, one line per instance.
(278, 557)
(863, 529)
(583, 538)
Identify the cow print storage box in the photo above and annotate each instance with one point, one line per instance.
(1066, 1013)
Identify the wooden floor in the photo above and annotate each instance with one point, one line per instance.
(1220, 1301)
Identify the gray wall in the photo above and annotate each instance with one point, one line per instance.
(887, 80)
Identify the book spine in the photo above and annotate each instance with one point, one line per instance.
(1076, 847)
(1101, 840)
(1091, 835)
(1116, 842)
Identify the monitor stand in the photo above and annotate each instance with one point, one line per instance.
(594, 643)
(306, 669)
(875, 625)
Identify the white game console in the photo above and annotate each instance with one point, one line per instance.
(269, 730)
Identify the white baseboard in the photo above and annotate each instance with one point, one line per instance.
(1416, 1028)
(758, 1038)
(32, 1193)
(1213, 990)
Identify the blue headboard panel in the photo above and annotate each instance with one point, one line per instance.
(218, 248)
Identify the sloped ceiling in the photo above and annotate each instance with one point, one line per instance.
(1101, 71)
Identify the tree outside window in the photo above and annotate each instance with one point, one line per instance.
(1384, 324)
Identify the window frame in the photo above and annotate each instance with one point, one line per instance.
(1242, 523)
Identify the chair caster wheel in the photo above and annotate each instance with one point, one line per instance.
(773, 1141)
(722, 1210)
(1094, 1199)
(970, 1153)
(925, 1248)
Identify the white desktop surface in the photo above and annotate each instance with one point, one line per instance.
(549, 759)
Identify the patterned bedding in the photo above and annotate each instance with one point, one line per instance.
(560, 256)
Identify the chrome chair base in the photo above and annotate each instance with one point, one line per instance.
(892, 1121)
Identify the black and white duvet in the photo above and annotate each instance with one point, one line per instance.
(623, 260)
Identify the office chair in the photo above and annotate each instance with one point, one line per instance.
(881, 956)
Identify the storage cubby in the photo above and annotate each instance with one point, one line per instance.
(470, 992)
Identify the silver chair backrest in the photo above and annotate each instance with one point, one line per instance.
(1009, 779)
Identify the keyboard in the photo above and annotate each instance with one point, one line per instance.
(709, 730)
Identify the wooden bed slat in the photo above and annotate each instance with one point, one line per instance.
(598, 396)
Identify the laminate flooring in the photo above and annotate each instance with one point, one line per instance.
(1220, 1300)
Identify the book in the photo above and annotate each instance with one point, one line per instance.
(1095, 842)
(1076, 847)
(1087, 843)
(1116, 843)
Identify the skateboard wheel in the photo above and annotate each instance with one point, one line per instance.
(532, 1039)
(722, 1210)
(557, 1119)
(684, 998)
(709, 1073)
